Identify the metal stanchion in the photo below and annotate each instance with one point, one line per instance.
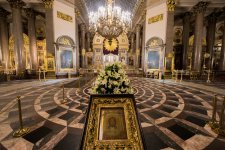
(218, 127)
(22, 131)
(208, 80)
(181, 77)
(176, 76)
(39, 74)
(63, 101)
(214, 109)
(79, 83)
(221, 122)
(69, 76)
(44, 75)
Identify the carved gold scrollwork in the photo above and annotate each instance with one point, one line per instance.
(171, 5)
(48, 3)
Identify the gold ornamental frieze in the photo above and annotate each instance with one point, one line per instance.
(155, 19)
(64, 16)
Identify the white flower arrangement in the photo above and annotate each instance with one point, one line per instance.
(112, 80)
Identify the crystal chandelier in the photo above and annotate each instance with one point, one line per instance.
(110, 21)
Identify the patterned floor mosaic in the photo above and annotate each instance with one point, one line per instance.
(172, 116)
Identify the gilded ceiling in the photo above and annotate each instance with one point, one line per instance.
(128, 5)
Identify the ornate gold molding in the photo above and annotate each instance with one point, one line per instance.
(48, 4)
(200, 7)
(170, 5)
(16, 3)
(64, 16)
(155, 19)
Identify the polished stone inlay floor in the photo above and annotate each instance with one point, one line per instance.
(172, 115)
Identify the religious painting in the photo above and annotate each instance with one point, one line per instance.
(89, 60)
(66, 57)
(153, 59)
(168, 63)
(41, 58)
(131, 61)
(112, 124)
(50, 64)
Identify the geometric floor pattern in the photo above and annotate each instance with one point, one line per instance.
(172, 116)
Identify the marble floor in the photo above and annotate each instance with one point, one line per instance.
(173, 115)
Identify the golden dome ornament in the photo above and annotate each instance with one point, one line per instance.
(110, 45)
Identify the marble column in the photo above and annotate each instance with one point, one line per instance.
(88, 35)
(143, 52)
(222, 54)
(83, 50)
(138, 30)
(199, 10)
(185, 38)
(132, 42)
(20, 58)
(32, 38)
(49, 27)
(4, 38)
(169, 27)
(211, 38)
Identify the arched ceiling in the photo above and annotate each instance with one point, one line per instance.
(127, 5)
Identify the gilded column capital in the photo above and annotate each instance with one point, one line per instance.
(186, 16)
(29, 12)
(88, 34)
(16, 3)
(48, 4)
(82, 26)
(138, 28)
(171, 5)
(132, 35)
(3, 12)
(200, 7)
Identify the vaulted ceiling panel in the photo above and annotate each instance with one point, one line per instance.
(128, 5)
